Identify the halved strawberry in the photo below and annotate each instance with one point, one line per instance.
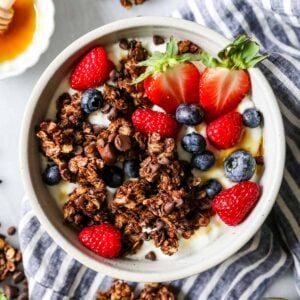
(174, 86)
(221, 90)
(170, 78)
(225, 81)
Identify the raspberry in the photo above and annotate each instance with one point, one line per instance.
(104, 239)
(226, 131)
(148, 121)
(92, 71)
(234, 204)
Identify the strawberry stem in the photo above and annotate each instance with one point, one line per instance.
(242, 53)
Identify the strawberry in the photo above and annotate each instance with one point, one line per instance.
(170, 78)
(221, 90)
(104, 239)
(226, 131)
(225, 81)
(148, 121)
(92, 70)
(234, 204)
(174, 86)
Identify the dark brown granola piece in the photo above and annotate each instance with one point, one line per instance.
(157, 291)
(120, 290)
(187, 46)
(86, 206)
(129, 3)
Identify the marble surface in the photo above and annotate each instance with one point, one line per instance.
(73, 18)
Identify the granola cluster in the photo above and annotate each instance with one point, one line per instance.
(9, 258)
(165, 203)
(122, 291)
(129, 3)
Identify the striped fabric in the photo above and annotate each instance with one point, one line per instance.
(275, 24)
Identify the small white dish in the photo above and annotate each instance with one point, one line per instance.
(188, 261)
(44, 30)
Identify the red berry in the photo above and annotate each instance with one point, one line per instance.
(176, 85)
(104, 239)
(222, 89)
(148, 121)
(226, 131)
(234, 204)
(92, 70)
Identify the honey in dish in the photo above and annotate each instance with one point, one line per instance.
(20, 32)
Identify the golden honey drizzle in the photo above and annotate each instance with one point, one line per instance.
(20, 32)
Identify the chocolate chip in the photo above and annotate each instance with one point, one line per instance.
(123, 44)
(10, 291)
(122, 142)
(11, 230)
(158, 40)
(107, 154)
(18, 276)
(151, 256)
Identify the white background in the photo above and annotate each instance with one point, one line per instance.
(73, 18)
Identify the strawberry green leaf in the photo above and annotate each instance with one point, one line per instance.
(209, 61)
(172, 48)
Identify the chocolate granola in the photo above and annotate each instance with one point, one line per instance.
(121, 290)
(165, 203)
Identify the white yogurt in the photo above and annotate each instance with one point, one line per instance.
(251, 142)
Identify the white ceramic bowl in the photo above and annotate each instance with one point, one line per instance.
(39, 44)
(187, 263)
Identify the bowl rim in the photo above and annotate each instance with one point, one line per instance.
(132, 275)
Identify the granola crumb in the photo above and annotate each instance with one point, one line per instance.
(151, 256)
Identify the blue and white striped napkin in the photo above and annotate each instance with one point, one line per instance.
(275, 24)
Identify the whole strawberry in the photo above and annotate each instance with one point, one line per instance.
(234, 204)
(226, 131)
(104, 239)
(147, 121)
(92, 71)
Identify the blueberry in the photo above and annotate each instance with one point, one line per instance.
(212, 188)
(113, 176)
(193, 143)
(252, 117)
(51, 175)
(91, 100)
(190, 115)
(239, 166)
(131, 168)
(203, 161)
